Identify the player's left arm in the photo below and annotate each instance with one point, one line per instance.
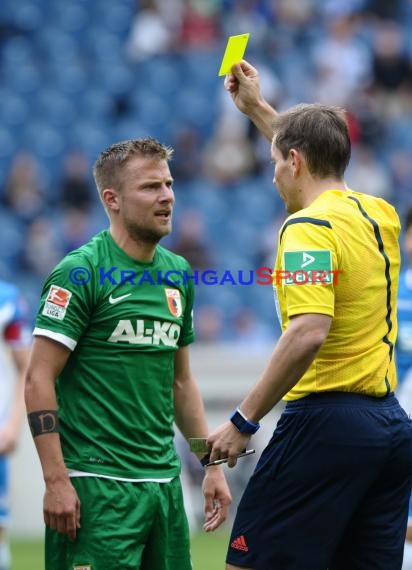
(190, 418)
(292, 356)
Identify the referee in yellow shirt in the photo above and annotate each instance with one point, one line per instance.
(331, 489)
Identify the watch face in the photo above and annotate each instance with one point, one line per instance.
(238, 421)
(244, 426)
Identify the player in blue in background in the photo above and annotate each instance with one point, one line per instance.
(404, 342)
(14, 351)
(404, 352)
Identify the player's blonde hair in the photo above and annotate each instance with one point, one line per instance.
(109, 166)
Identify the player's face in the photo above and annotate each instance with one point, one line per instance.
(147, 199)
(284, 180)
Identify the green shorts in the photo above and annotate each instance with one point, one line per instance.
(124, 526)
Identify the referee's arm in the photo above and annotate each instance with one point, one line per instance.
(292, 356)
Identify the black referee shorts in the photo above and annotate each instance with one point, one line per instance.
(331, 490)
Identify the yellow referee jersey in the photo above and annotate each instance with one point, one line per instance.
(340, 257)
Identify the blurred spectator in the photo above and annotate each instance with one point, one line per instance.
(366, 124)
(187, 158)
(289, 21)
(401, 170)
(150, 34)
(391, 63)
(24, 187)
(77, 229)
(368, 175)
(384, 9)
(392, 71)
(190, 240)
(76, 189)
(209, 323)
(245, 16)
(342, 62)
(339, 8)
(228, 156)
(267, 243)
(251, 332)
(200, 24)
(44, 248)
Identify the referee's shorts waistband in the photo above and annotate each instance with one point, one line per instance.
(323, 399)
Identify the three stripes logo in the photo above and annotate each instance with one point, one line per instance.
(240, 544)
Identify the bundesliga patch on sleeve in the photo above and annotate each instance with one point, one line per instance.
(312, 267)
(56, 303)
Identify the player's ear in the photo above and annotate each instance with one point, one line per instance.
(296, 161)
(110, 198)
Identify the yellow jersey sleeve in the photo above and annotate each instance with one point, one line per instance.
(307, 268)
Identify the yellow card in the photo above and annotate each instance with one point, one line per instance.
(235, 49)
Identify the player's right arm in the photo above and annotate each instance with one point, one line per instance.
(61, 506)
(244, 86)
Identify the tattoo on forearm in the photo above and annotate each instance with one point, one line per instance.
(43, 421)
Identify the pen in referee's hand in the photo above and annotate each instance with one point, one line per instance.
(220, 461)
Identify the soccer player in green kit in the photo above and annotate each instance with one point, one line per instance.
(109, 374)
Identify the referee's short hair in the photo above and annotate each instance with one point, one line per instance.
(320, 133)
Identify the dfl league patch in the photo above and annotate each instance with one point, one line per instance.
(313, 266)
(56, 303)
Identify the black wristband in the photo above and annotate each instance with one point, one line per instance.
(43, 421)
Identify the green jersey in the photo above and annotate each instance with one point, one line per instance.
(124, 322)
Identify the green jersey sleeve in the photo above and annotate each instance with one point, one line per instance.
(65, 308)
(187, 335)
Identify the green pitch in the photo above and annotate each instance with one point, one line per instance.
(208, 552)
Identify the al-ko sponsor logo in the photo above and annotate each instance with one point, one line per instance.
(300, 268)
(148, 333)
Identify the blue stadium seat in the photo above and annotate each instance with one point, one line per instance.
(114, 78)
(102, 45)
(90, 136)
(115, 17)
(26, 15)
(162, 75)
(8, 145)
(44, 140)
(72, 17)
(17, 51)
(14, 111)
(23, 79)
(151, 109)
(131, 128)
(55, 109)
(94, 104)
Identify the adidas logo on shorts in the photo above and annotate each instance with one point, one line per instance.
(240, 544)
